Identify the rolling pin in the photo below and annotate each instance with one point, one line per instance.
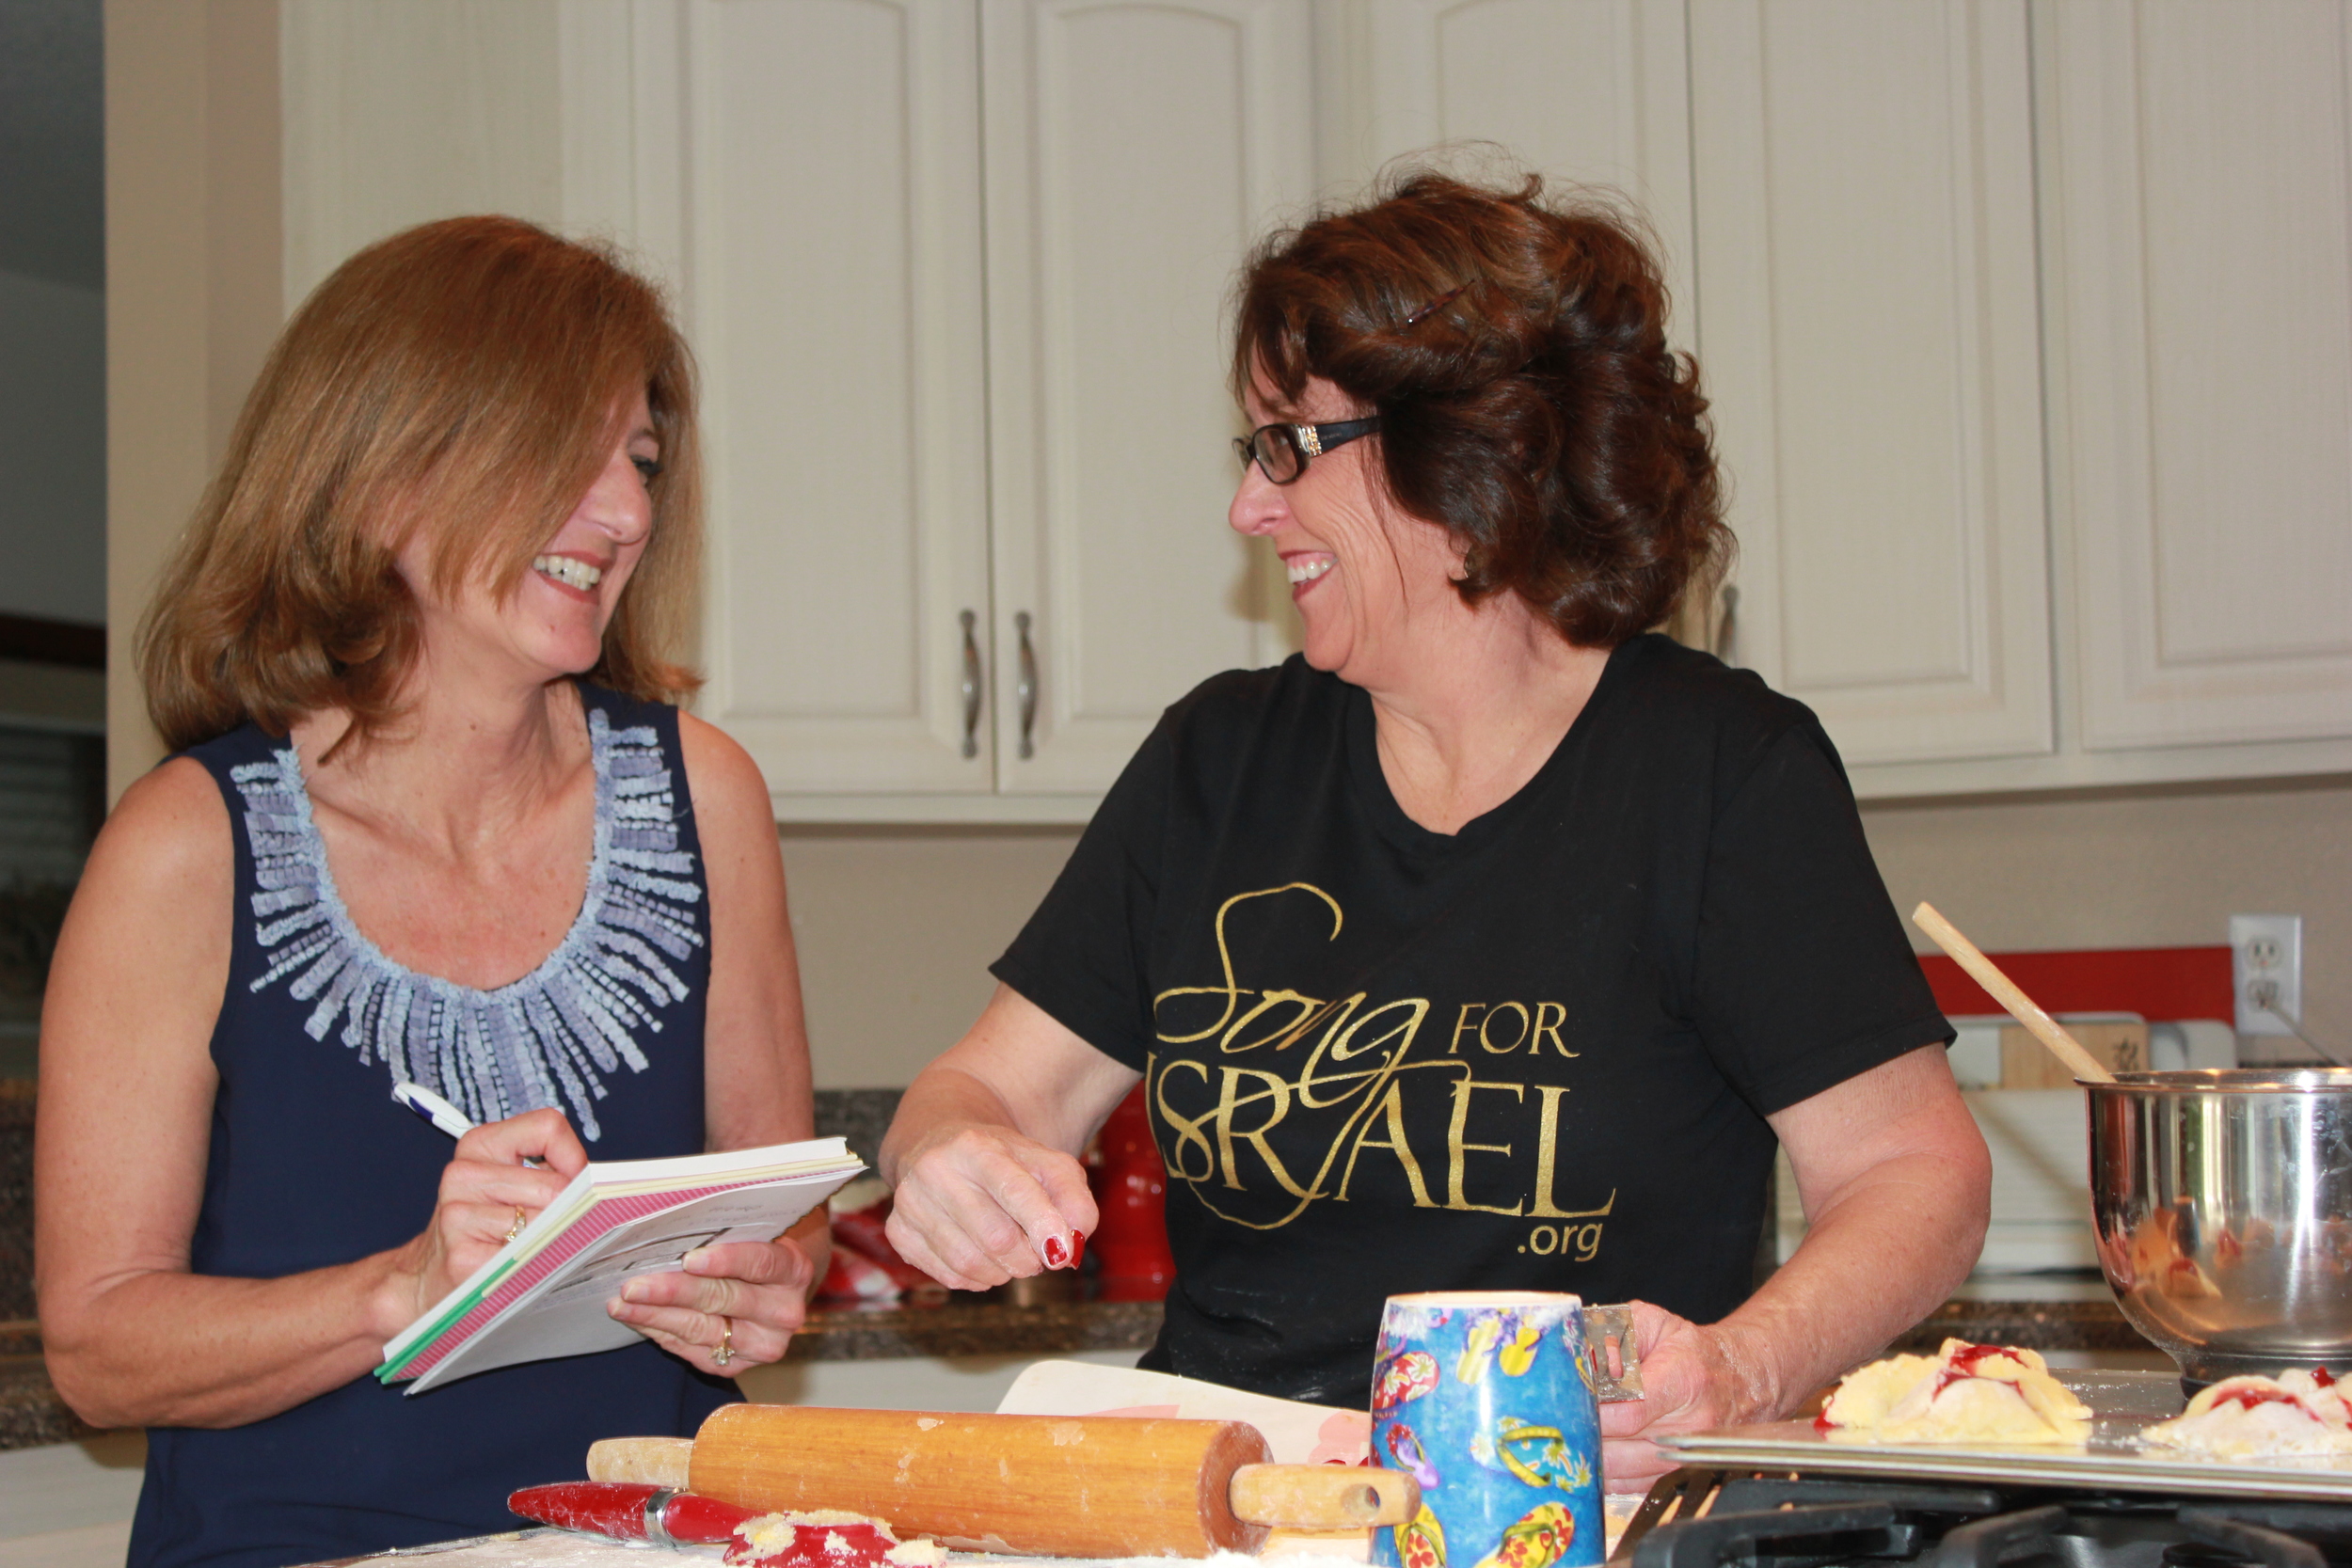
(1046, 1485)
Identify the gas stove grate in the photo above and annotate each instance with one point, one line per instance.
(1704, 1518)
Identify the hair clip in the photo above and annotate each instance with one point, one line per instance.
(1438, 304)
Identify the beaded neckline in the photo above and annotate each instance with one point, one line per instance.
(550, 1039)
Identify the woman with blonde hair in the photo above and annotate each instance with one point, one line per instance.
(431, 817)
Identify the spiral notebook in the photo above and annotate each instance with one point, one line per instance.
(544, 1293)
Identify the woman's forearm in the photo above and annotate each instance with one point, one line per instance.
(1896, 1184)
(165, 1348)
(1883, 1255)
(1018, 1070)
(133, 1338)
(984, 1152)
(941, 1096)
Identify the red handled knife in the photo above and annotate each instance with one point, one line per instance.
(631, 1511)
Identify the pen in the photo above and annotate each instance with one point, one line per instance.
(441, 1114)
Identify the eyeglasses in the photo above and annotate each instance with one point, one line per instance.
(1281, 451)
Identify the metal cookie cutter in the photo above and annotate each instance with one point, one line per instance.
(1609, 1339)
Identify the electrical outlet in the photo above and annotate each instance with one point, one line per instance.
(2266, 970)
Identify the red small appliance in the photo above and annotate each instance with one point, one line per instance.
(1131, 1190)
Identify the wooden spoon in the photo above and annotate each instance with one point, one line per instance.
(2065, 1046)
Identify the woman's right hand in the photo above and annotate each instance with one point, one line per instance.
(979, 1204)
(487, 1194)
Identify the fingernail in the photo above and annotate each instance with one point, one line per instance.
(693, 1258)
(1055, 1254)
(1077, 1247)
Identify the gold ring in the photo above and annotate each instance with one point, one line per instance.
(723, 1351)
(515, 1230)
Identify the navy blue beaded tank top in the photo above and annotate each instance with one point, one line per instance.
(313, 1163)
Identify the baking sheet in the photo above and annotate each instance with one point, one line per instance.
(2123, 1404)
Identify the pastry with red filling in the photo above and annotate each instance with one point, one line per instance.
(2261, 1417)
(1964, 1393)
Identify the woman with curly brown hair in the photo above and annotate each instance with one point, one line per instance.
(1495, 941)
(432, 818)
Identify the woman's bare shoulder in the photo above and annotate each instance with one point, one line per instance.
(729, 791)
(168, 836)
(137, 979)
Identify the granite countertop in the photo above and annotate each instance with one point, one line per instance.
(981, 1328)
(2081, 1325)
(16, 1198)
(31, 1414)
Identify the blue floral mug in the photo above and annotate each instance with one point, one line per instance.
(1491, 1399)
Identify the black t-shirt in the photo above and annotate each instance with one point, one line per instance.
(1533, 1054)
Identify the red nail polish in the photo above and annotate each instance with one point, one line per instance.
(1055, 1252)
(1077, 1247)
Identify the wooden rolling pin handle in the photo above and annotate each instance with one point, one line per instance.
(1323, 1496)
(647, 1461)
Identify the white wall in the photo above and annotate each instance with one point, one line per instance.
(195, 290)
(2152, 868)
(896, 929)
(68, 1505)
(53, 450)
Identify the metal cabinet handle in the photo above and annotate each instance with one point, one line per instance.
(1026, 689)
(973, 688)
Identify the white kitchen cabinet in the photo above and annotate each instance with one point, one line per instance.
(1867, 327)
(969, 494)
(832, 284)
(806, 177)
(2201, 217)
(1843, 194)
(1592, 93)
(2019, 508)
(912, 426)
(954, 271)
(1134, 153)
(2196, 265)
(1866, 216)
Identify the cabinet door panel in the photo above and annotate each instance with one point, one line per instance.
(833, 295)
(2201, 214)
(396, 112)
(1585, 92)
(1135, 152)
(1867, 331)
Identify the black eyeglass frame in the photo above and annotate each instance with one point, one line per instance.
(1308, 441)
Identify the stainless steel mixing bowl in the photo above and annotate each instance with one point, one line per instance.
(2223, 1205)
